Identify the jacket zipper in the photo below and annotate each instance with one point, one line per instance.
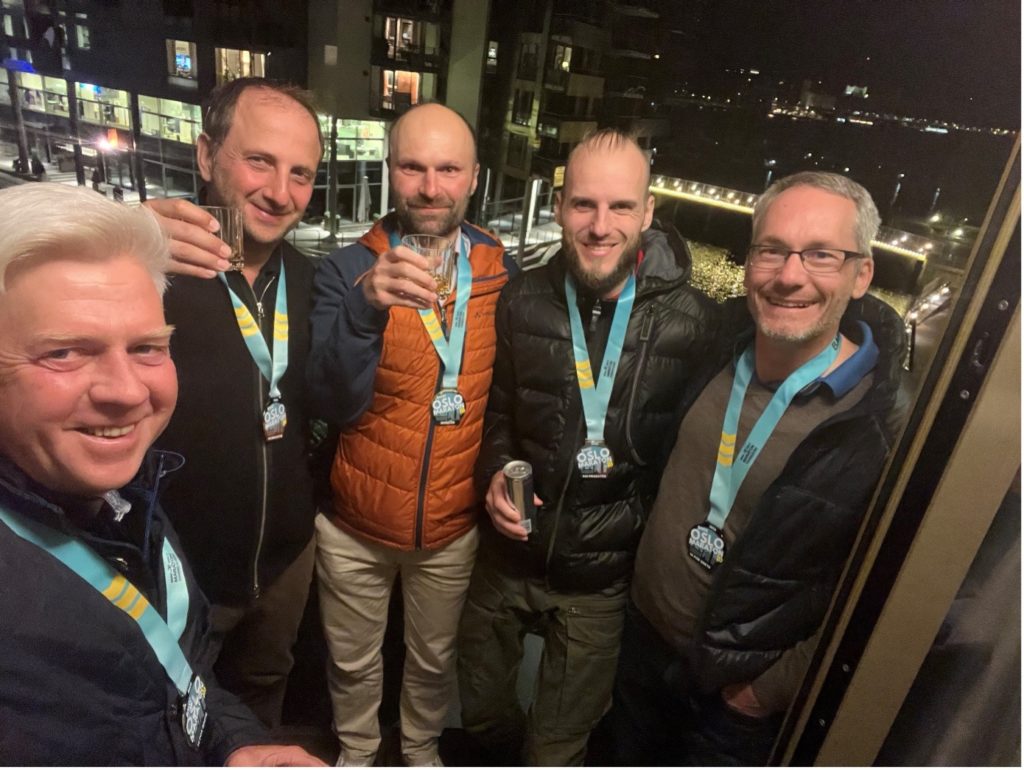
(264, 457)
(561, 503)
(421, 491)
(645, 338)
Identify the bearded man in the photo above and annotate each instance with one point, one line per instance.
(385, 354)
(594, 350)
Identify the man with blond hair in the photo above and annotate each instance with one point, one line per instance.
(104, 644)
(593, 351)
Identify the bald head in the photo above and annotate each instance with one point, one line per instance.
(432, 168)
(431, 116)
(609, 141)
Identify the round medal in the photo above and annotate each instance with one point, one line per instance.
(707, 545)
(448, 407)
(594, 460)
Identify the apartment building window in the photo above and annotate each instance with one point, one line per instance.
(83, 35)
(232, 64)
(170, 119)
(527, 61)
(103, 106)
(181, 63)
(517, 150)
(402, 35)
(561, 57)
(360, 140)
(400, 90)
(492, 56)
(522, 108)
(39, 93)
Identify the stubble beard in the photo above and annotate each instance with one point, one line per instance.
(593, 281)
(409, 222)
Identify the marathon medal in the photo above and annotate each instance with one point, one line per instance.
(272, 367)
(594, 459)
(707, 540)
(448, 406)
(707, 545)
(274, 420)
(193, 711)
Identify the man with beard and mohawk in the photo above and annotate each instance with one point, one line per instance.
(402, 487)
(594, 350)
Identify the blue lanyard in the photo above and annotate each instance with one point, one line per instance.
(274, 368)
(83, 561)
(596, 392)
(449, 350)
(730, 470)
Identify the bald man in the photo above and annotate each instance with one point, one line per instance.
(404, 374)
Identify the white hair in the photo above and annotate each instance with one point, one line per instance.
(46, 220)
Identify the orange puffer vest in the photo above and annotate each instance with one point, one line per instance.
(398, 478)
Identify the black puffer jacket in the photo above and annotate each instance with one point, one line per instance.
(776, 584)
(588, 529)
(79, 683)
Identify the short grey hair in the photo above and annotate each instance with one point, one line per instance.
(47, 220)
(867, 222)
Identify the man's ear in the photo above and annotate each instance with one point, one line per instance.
(648, 212)
(205, 153)
(865, 272)
(476, 177)
(558, 207)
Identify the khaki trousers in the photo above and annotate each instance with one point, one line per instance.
(355, 579)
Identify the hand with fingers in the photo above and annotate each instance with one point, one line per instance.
(399, 277)
(504, 515)
(195, 248)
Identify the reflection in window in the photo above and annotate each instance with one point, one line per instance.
(181, 59)
(232, 64)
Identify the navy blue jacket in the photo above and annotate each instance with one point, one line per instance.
(79, 683)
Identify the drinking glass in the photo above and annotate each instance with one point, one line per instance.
(230, 232)
(440, 256)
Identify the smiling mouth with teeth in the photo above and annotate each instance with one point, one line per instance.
(110, 432)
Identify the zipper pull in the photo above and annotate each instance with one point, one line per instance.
(595, 315)
(259, 312)
(648, 324)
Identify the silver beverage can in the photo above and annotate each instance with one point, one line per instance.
(519, 484)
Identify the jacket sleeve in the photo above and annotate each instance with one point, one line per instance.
(777, 686)
(497, 446)
(347, 334)
(230, 723)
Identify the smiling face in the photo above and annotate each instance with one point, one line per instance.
(86, 379)
(791, 307)
(603, 209)
(265, 166)
(432, 169)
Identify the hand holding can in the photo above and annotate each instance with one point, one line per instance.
(519, 486)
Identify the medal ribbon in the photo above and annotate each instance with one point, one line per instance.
(83, 561)
(596, 392)
(731, 470)
(449, 350)
(272, 368)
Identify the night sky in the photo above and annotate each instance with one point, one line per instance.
(946, 59)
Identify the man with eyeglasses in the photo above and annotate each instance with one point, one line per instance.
(778, 452)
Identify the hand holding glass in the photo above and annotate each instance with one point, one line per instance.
(440, 256)
(230, 220)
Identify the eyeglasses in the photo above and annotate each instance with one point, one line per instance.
(817, 260)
